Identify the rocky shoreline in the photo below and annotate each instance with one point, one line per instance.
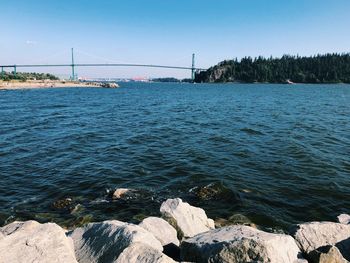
(183, 233)
(32, 84)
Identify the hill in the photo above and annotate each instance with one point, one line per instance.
(328, 68)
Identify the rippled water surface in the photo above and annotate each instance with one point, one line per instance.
(276, 154)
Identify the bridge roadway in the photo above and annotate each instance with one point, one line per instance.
(73, 65)
(97, 65)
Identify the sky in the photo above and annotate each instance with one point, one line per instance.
(167, 32)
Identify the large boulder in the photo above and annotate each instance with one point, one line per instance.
(33, 242)
(141, 253)
(311, 236)
(161, 229)
(240, 244)
(187, 219)
(105, 241)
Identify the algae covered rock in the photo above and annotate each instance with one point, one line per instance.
(236, 219)
(214, 191)
(67, 204)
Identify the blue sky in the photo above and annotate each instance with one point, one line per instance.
(167, 32)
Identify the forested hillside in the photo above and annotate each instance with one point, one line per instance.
(329, 68)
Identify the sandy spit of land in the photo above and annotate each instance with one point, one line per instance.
(37, 84)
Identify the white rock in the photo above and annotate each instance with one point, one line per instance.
(141, 253)
(33, 242)
(103, 242)
(161, 229)
(313, 235)
(344, 219)
(189, 220)
(240, 244)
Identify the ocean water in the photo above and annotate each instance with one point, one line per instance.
(275, 154)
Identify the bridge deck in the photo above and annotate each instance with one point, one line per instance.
(97, 65)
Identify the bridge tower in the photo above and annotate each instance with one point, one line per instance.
(73, 74)
(193, 70)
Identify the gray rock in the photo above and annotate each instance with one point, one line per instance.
(344, 219)
(327, 254)
(105, 241)
(161, 229)
(33, 242)
(240, 244)
(311, 236)
(141, 253)
(187, 219)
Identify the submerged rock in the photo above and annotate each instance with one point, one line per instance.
(327, 254)
(344, 219)
(141, 253)
(33, 242)
(213, 191)
(105, 241)
(65, 204)
(161, 229)
(127, 194)
(77, 209)
(62, 203)
(311, 236)
(188, 220)
(236, 219)
(240, 244)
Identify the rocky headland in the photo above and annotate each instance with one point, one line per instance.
(183, 233)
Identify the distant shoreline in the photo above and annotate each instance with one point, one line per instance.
(42, 84)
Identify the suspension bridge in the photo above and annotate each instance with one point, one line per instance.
(74, 65)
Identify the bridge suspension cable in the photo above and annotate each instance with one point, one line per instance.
(73, 65)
